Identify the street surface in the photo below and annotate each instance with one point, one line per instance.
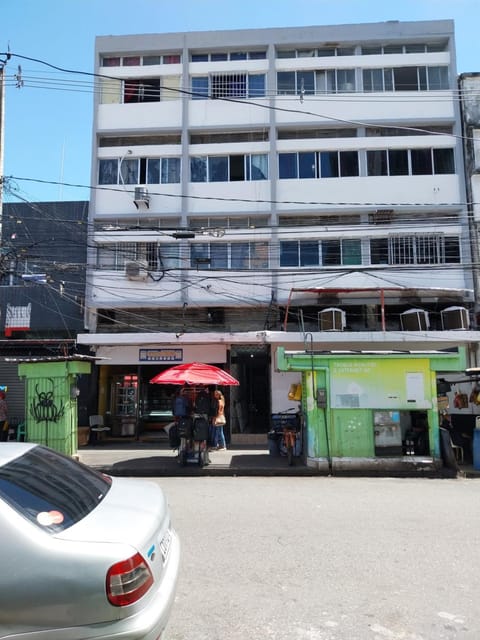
(326, 558)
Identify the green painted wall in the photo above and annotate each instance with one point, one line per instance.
(396, 381)
(51, 411)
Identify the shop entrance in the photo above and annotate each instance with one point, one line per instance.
(250, 402)
(401, 433)
(124, 403)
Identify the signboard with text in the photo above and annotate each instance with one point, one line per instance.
(165, 354)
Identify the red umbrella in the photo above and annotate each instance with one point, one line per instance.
(192, 373)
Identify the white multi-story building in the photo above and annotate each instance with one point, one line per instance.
(294, 186)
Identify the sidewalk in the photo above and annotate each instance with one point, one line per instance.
(144, 459)
(156, 459)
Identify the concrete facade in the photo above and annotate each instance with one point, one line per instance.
(308, 181)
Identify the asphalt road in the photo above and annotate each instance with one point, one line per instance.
(326, 558)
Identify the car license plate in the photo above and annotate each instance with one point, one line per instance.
(165, 544)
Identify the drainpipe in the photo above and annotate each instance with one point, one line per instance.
(314, 394)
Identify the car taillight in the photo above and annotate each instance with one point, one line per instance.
(128, 581)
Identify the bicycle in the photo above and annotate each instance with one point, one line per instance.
(289, 437)
(287, 425)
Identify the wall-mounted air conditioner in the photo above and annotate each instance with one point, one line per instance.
(415, 320)
(455, 318)
(136, 270)
(332, 319)
(141, 197)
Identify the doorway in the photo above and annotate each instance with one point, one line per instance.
(250, 402)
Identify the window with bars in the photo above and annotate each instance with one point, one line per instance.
(158, 256)
(415, 249)
(228, 85)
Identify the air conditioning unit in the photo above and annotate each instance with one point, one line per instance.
(136, 270)
(414, 320)
(331, 319)
(141, 197)
(455, 318)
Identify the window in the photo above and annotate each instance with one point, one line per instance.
(221, 56)
(257, 166)
(170, 170)
(233, 222)
(315, 82)
(129, 171)
(235, 255)
(231, 85)
(42, 480)
(331, 253)
(415, 249)
(151, 60)
(393, 162)
(233, 168)
(406, 79)
(141, 90)
(139, 171)
(314, 164)
(237, 136)
(198, 169)
(200, 87)
(437, 78)
(111, 61)
(228, 85)
(218, 169)
(108, 171)
(311, 253)
(401, 162)
(158, 256)
(168, 256)
(312, 53)
(403, 48)
(256, 85)
(131, 61)
(171, 59)
(377, 80)
(443, 161)
(289, 253)
(421, 161)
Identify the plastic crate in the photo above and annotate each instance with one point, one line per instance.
(281, 420)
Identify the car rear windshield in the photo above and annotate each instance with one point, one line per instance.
(50, 489)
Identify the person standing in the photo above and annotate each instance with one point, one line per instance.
(3, 417)
(219, 421)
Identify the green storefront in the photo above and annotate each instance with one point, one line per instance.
(371, 410)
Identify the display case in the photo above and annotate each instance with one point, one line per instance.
(124, 405)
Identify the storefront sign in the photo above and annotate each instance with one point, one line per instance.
(380, 384)
(161, 355)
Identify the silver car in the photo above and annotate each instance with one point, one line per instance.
(83, 555)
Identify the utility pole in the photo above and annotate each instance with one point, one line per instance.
(2, 111)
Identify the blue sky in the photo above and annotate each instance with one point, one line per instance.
(48, 127)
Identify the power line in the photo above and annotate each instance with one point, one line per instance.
(244, 100)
